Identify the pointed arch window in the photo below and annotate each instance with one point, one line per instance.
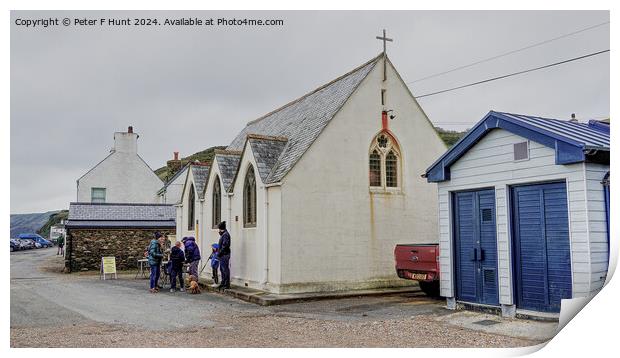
(384, 161)
(191, 206)
(249, 198)
(216, 203)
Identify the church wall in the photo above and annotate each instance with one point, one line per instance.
(336, 233)
(125, 176)
(247, 245)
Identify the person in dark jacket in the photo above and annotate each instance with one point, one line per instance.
(215, 263)
(155, 257)
(192, 255)
(177, 258)
(224, 255)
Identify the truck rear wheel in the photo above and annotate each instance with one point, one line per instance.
(430, 288)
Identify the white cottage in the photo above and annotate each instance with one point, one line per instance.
(317, 193)
(523, 213)
(121, 177)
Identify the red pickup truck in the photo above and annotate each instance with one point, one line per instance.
(419, 262)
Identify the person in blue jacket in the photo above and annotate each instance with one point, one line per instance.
(224, 255)
(177, 258)
(192, 255)
(154, 257)
(215, 263)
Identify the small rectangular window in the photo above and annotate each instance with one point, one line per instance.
(521, 151)
(383, 97)
(487, 215)
(97, 195)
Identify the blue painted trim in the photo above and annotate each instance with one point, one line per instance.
(567, 150)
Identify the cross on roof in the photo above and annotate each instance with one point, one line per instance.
(384, 38)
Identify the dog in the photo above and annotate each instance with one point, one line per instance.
(193, 285)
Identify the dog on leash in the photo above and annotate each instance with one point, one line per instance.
(193, 285)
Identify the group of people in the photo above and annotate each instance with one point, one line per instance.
(184, 252)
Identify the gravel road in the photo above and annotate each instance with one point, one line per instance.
(50, 309)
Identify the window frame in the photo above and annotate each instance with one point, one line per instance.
(387, 145)
(92, 197)
(191, 209)
(249, 198)
(216, 203)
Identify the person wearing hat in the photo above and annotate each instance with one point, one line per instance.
(224, 255)
(215, 263)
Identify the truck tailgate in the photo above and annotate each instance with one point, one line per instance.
(418, 258)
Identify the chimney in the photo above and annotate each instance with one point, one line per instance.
(176, 155)
(573, 118)
(126, 142)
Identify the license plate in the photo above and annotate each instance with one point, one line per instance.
(417, 276)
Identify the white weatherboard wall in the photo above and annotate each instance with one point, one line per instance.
(336, 234)
(124, 175)
(597, 224)
(490, 164)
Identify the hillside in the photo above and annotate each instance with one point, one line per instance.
(205, 156)
(53, 219)
(28, 223)
(449, 136)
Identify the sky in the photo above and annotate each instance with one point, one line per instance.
(187, 88)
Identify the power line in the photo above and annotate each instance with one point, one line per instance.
(509, 52)
(513, 74)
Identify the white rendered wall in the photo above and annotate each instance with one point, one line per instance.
(489, 164)
(124, 175)
(336, 233)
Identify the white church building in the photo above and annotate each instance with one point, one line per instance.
(317, 193)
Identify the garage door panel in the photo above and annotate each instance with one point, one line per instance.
(542, 249)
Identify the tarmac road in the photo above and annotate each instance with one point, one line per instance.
(83, 311)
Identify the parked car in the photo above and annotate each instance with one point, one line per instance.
(15, 246)
(419, 262)
(38, 239)
(26, 244)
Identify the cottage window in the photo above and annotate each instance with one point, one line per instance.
(249, 199)
(97, 195)
(216, 203)
(384, 163)
(191, 216)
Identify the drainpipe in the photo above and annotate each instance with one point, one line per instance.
(266, 238)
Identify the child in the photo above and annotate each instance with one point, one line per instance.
(177, 258)
(215, 263)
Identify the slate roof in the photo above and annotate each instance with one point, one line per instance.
(201, 174)
(227, 162)
(120, 215)
(266, 151)
(174, 177)
(302, 120)
(573, 142)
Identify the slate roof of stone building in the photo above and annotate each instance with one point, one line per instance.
(120, 215)
(201, 174)
(227, 162)
(266, 151)
(302, 120)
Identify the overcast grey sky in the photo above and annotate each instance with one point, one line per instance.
(188, 88)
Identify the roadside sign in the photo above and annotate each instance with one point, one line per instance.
(108, 266)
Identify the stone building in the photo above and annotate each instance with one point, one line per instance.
(317, 193)
(124, 231)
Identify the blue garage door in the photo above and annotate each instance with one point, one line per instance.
(541, 246)
(476, 247)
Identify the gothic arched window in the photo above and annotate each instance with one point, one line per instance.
(384, 162)
(249, 199)
(216, 203)
(191, 216)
